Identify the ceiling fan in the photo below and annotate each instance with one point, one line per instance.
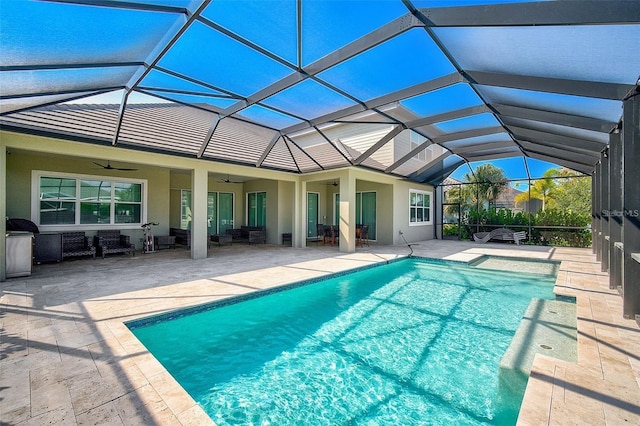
(110, 167)
(334, 183)
(227, 180)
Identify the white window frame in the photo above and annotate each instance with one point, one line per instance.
(77, 226)
(430, 207)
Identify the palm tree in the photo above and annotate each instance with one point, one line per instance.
(543, 189)
(489, 182)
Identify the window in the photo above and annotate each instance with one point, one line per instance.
(417, 140)
(65, 199)
(419, 207)
(257, 209)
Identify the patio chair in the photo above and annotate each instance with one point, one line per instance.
(331, 233)
(112, 241)
(363, 235)
(319, 232)
(77, 244)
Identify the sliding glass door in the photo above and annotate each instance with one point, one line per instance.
(225, 211)
(257, 209)
(365, 211)
(219, 211)
(312, 213)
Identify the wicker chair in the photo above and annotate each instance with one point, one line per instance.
(112, 242)
(77, 244)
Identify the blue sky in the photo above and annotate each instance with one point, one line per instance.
(513, 167)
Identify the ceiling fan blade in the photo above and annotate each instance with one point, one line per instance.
(227, 180)
(110, 167)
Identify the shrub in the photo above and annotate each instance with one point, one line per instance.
(494, 218)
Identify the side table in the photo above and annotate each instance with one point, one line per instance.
(165, 240)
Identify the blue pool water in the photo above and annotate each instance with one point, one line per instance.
(411, 342)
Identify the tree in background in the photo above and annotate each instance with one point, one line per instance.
(561, 189)
(573, 194)
(490, 181)
(544, 189)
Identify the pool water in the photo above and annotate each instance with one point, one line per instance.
(517, 265)
(412, 342)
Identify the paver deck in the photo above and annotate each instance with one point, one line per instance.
(67, 358)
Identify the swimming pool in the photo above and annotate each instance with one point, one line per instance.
(411, 342)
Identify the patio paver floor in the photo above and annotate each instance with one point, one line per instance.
(67, 358)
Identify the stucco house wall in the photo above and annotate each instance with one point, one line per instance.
(166, 175)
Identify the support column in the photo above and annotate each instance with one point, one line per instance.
(200, 188)
(631, 206)
(3, 211)
(347, 212)
(604, 197)
(439, 214)
(597, 231)
(615, 205)
(300, 215)
(594, 209)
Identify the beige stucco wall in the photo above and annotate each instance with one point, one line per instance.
(167, 175)
(286, 206)
(384, 208)
(21, 164)
(392, 202)
(411, 233)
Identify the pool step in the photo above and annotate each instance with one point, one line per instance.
(548, 327)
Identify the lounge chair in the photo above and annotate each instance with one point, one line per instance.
(519, 236)
(500, 234)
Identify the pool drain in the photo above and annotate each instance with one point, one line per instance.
(546, 347)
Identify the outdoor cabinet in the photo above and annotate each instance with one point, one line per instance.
(47, 248)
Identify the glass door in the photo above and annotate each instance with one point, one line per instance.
(312, 213)
(225, 212)
(257, 209)
(212, 213)
(365, 211)
(367, 214)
